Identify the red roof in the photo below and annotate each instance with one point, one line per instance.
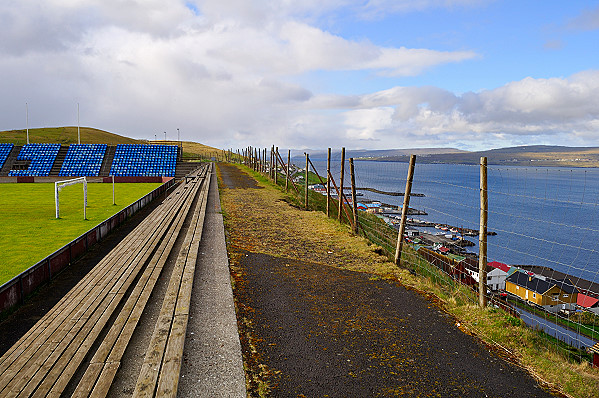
(586, 301)
(501, 266)
(443, 249)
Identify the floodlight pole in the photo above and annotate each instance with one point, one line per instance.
(165, 135)
(78, 132)
(27, 120)
(178, 136)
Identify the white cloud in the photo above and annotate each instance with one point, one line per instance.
(528, 108)
(588, 20)
(226, 72)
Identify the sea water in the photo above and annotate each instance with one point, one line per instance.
(543, 216)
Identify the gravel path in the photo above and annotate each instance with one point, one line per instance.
(312, 330)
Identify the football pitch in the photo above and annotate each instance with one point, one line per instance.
(29, 230)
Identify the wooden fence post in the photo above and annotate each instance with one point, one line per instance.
(287, 174)
(404, 210)
(276, 163)
(272, 163)
(482, 236)
(306, 181)
(341, 184)
(353, 195)
(329, 183)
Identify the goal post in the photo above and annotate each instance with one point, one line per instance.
(59, 185)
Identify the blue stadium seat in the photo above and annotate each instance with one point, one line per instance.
(134, 160)
(4, 152)
(42, 157)
(83, 160)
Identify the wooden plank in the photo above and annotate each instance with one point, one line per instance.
(79, 312)
(169, 374)
(146, 383)
(87, 382)
(105, 380)
(114, 344)
(171, 360)
(74, 362)
(51, 317)
(79, 319)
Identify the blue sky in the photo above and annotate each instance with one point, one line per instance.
(376, 74)
(512, 40)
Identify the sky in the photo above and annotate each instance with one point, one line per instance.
(363, 74)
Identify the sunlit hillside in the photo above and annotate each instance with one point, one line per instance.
(68, 135)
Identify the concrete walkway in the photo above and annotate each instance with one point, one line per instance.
(212, 361)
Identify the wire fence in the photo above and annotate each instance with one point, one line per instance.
(542, 243)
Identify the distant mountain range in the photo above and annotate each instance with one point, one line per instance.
(533, 155)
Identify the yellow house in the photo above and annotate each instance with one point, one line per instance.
(552, 294)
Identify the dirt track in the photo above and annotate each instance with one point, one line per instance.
(309, 329)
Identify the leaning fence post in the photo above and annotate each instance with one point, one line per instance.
(272, 163)
(287, 174)
(404, 210)
(482, 236)
(306, 181)
(329, 183)
(353, 195)
(341, 184)
(276, 163)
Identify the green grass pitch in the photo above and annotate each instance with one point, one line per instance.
(29, 230)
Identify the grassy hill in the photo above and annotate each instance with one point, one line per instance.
(65, 135)
(68, 135)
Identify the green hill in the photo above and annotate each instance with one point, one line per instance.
(65, 135)
(68, 135)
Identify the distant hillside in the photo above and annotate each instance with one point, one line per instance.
(65, 135)
(374, 154)
(68, 135)
(536, 155)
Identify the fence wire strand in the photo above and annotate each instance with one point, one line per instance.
(542, 223)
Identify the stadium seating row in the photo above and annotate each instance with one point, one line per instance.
(83, 160)
(144, 160)
(4, 152)
(42, 157)
(130, 160)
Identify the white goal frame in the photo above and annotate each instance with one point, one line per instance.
(59, 185)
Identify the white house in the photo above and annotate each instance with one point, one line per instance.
(496, 275)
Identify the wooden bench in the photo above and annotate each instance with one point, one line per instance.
(45, 359)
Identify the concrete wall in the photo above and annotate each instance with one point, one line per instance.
(17, 289)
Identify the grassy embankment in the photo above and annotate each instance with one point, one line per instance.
(64, 135)
(29, 230)
(278, 229)
(68, 135)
